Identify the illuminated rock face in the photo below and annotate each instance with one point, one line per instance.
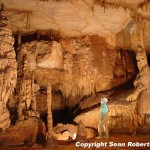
(80, 67)
(77, 18)
(8, 67)
(86, 52)
(123, 117)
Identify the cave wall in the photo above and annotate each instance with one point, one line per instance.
(8, 69)
(77, 66)
(58, 101)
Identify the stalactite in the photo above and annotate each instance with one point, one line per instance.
(80, 69)
(28, 13)
(144, 4)
(8, 67)
(113, 4)
(49, 34)
(134, 9)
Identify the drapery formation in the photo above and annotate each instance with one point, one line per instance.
(8, 68)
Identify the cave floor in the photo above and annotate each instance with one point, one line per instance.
(115, 138)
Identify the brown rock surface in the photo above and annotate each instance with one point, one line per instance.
(81, 134)
(123, 117)
(76, 18)
(83, 66)
(8, 67)
(24, 132)
(78, 51)
(58, 101)
(71, 129)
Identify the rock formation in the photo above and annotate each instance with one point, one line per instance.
(122, 118)
(8, 66)
(69, 55)
(81, 134)
(142, 82)
(49, 112)
(25, 87)
(73, 129)
(27, 131)
(74, 61)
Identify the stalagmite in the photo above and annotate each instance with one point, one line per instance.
(8, 67)
(50, 134)
(25, 87)
(24, 83)
(82, 133)
(49, 111)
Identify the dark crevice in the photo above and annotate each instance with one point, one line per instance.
(63, 116)
(148, 59)
(37, 36)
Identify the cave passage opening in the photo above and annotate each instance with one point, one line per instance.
(64, 116)
(60, 112)
(37, 36)
(148, 59)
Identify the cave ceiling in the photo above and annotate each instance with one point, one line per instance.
(111, 19)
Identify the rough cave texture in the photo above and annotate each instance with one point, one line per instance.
(123, 118)
(76, 66)
(111, 19)
(70, 53)
(8, 67)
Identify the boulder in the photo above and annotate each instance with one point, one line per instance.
(24, 132)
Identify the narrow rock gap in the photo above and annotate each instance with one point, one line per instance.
(148, 59)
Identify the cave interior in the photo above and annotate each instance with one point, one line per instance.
(58, 58)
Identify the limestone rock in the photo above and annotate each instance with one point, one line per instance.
(49, 111)
(24, 132)
(142, 82)
(8, 67)
(58, 101)
(143, 103)
(53, 60)
(79, 67)
(81, 134)
(123, 117)
(66, 131)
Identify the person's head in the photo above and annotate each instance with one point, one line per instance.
(104, 100)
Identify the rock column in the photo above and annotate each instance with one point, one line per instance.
(51, 143)
(25, 87)
(142, 81)
(49, 111)
(8, 67)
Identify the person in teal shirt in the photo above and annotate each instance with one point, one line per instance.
(103, 120)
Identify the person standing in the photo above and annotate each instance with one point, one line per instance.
(103, 120)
